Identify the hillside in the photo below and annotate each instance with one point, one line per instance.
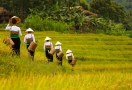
(89, 49)
(126, 3)
(103, 63)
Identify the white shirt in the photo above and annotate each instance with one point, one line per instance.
(49, 44)
(58, 48)
(30, 35)
(13, 28)
(69, 54)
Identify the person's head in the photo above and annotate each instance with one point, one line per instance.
(47, 39)
(58, 43)
(14, 21)
(29, 30)
(68, 51)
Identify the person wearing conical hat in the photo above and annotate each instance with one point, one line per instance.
(29, 37)
(70, 57)
(15, 33)
(47, 47)
(58, 49)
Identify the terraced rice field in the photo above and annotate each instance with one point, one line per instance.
(89, 49)
(103, 63)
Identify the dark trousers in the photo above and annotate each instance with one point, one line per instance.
(69, 61)
(49, 56)
(31, 53)
(59, 59)
(16, 47)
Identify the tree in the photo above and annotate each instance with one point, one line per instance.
(108, 9)
(22, 8)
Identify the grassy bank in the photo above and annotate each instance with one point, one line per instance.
(103, 62)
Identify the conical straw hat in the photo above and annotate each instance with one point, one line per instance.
(29, 30)
(57, 43)
(16, 18)
(68, 51)
(47, 38)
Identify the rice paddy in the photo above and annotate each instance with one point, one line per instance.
(104, 62)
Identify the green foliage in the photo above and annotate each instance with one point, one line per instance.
(108, 9)
(21, 7)
(116, 29)
(55, 25)
(84, 4)
(101, 25)
(128, 21)
(3, 25)
(59, 19)
(39, 24)
(35, 13)
(35, 22)
(126, 3)
(129, 33)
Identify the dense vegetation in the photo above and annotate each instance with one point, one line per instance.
(126, 3)
(73, 19)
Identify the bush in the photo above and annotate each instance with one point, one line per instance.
(129, 33)
(55, 25)
(116, 29)
(34, 22)
(37, 23)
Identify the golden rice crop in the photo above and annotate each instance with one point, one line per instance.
(103, 63)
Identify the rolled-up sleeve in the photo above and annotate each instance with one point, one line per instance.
(60, 48)
(20, 33)
(33, 38)
(8, 27)
(66, 57)
(25, 39)
(51, 45)
(72, 56)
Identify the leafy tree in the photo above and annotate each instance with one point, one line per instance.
(126, 3)
(128, 21)
(108, 9)
(22, 8)
(17, 7)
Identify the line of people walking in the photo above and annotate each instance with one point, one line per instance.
(49, 52)
(29, 40)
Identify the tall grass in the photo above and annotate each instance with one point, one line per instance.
(99, 81)
(103, 62)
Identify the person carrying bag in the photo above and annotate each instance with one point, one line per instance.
(15, 33)
(29, 40)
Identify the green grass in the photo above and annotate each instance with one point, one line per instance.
(103, 63)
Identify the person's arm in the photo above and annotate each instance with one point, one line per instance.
(66, 57)
(8, 27)
(51, 45)
(60, 48)
(44, 47)
(72, 56)
(33, 38)
(25, 40)
(20, 33)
